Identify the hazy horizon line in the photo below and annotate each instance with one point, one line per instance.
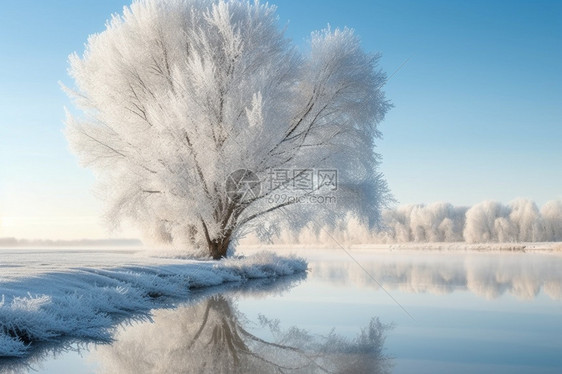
(17, 242)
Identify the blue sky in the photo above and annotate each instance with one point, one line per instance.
(477, 106)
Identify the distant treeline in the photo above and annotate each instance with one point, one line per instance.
(18, 243)
(489, 221)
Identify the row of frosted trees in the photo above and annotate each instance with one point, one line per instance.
(489, 221)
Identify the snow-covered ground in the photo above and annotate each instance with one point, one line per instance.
(49, 294)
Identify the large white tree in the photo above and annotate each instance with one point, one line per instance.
(176, 95)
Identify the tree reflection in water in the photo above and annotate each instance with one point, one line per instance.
(212, 336)
(488, 275)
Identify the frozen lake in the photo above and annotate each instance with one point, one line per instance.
(423, 312)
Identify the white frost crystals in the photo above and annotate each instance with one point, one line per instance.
(84, 303)
(177, 94)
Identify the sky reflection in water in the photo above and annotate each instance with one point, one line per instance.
(486, 313)
(473, 312)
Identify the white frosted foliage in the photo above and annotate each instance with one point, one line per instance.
(486, 222)
(175, 95)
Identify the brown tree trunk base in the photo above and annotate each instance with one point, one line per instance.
(218, 248)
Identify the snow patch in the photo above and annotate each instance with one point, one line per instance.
(84, 303)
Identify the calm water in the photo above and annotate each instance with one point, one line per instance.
(419, 312)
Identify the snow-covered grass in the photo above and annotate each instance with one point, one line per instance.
(47, 295)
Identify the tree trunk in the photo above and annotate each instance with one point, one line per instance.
(219, 247)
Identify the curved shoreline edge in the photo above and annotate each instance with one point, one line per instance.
(85, 303)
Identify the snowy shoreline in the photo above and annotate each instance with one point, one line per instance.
(86, 302)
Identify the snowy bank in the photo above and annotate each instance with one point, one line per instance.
(84, 303)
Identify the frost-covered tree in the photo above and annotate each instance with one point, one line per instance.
(437, 222)
(488, 221)
(175, 95)
(526, 220)
(551, 213)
